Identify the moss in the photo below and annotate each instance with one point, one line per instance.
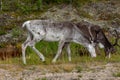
(16, 32)
(43, 79)
(2, 45)
(79, 69)
(116, 74)
(2, 32)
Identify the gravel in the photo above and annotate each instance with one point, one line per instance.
(35, 72)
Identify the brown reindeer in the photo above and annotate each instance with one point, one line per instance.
(96, 36)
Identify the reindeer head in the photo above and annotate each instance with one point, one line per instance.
(111, 49)
(117, 38)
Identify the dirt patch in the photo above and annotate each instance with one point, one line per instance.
(44, 72)
(101, 72)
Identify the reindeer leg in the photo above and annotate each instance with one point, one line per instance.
(67, 45)
(37, 52)
(24, 46)
(107, 54)
(60, 47)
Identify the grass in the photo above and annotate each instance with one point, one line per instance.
(49, 49)
(116, 74)
(79, 69)
(41, 79)
(2, 32)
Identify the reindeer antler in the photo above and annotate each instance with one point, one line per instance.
(117, 38)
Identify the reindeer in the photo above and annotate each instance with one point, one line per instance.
(97, 37)
(64, 32)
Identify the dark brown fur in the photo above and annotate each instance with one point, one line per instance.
(9, 52)
(98, 35)
(95, 29)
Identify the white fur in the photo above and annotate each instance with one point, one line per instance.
(101, 45)
(25, 23)
(92, 50)
(62, 32)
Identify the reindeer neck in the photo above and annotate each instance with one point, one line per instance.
(105, 41)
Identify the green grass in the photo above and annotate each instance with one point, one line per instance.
(79, 69)
(49, 50)
(26, 6)
(116, 74)
(2, 31)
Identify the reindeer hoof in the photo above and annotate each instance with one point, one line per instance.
(70, 60)
(93, 56)
(53, 61)
(24, 63)
(108, 56)
(43, 60)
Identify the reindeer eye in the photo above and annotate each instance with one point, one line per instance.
(38, 33)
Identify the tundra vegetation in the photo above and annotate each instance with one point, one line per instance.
(14, 13)
(105, 13)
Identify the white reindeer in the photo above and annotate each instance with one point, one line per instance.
(64, 32)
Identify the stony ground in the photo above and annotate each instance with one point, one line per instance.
(46, 72)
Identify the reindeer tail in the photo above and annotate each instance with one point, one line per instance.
(25, 24)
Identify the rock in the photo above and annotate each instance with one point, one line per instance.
(67, 13)
(5, 38)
